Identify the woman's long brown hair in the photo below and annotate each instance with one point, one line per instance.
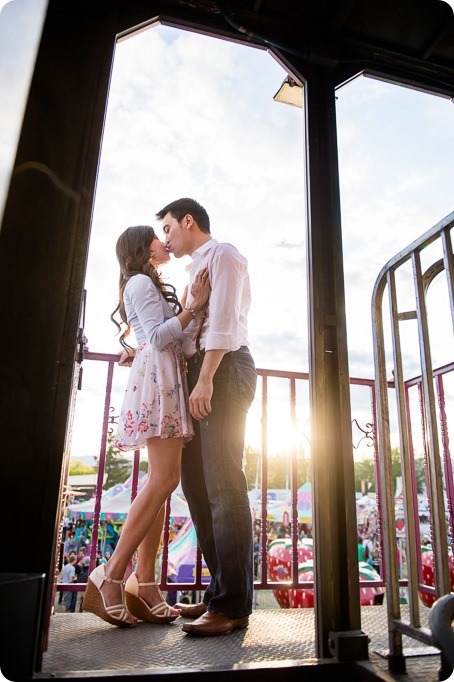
(133, 254)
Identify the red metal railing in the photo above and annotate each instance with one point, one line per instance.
(293, 380)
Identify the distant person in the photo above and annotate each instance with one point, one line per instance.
(222, 381)
(82, 577)
(361, 549)
(154, 414)
(257, 550)
(68, 575)
(70, 544)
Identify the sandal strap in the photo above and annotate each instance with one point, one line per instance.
(161, 609)
(112, 580)
(118, 611)
(140, 584)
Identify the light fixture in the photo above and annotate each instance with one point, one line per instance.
(290, 93)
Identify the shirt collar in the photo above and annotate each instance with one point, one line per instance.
(198, 253)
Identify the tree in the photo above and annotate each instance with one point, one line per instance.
(365, 479)
(279, 468)
(365, 475)
(396, 464)
(420, 467)
(79, 469)
(117, 467)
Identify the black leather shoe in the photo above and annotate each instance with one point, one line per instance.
(213, 624)
(191, 610)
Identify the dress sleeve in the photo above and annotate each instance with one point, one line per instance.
(146, 300)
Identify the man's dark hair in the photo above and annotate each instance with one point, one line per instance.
(181, 207)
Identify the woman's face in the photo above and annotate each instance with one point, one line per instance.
(158, 253)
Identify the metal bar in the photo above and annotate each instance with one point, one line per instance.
(373, 398)
(262, 372)
(165, 546)
(198, 568)
(135, 481)
(281, 374)
(135, 475)
(439, 538)
(101, 463)
(294, 488)
(424, 240)
(264, 481)
(417, 540)
(448, 259)
(444, 369)
(430, 590)
(421, 634)
(446, 455)
(334, 509)
(410, 516)
(385, 472)
(429, 431)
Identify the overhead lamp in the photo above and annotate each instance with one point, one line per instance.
(290, 93)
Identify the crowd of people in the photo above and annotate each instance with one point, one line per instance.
(369, 549)
(74, 570)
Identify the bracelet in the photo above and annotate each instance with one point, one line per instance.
(193, 313)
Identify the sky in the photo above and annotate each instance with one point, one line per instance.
(194, 116)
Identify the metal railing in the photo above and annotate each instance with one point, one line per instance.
(422, 253)
(292, 382)
(376, 432)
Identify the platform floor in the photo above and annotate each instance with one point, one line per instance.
(80, 642)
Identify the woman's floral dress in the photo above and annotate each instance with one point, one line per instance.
(156, 397)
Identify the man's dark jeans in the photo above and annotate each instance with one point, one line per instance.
(215, 486)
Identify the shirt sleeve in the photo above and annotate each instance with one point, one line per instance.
(146, 300)
(227, 272)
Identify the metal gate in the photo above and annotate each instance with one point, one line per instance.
(407, 278)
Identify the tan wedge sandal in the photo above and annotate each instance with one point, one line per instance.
(138, 607)
(94, 599)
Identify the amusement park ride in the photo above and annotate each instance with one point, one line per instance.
(44, 241)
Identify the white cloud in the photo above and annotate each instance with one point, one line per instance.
(20, 31)
(192, 116)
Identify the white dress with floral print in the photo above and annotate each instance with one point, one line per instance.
(156, 397)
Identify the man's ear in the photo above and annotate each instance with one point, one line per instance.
(188, 221)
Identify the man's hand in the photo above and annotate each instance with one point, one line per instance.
(200, 399)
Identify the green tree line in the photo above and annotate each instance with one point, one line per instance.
(279, 469)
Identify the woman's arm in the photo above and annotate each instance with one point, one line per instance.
(146, 299)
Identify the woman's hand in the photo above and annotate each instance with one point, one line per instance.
(200, 289)
(127, 357)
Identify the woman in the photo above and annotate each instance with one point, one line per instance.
(154, 413)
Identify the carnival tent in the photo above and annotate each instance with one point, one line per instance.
(182, 556)
(305, 503)
(116, 502)
(279, 503)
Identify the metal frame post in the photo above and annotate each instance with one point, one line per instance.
(336, 559)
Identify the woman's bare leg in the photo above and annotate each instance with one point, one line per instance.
(143, 525)
(146, 564)
(148, 550)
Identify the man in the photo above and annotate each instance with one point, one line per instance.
(68, 575)
(222, 381)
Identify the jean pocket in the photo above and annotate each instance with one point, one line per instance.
(247, 383)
